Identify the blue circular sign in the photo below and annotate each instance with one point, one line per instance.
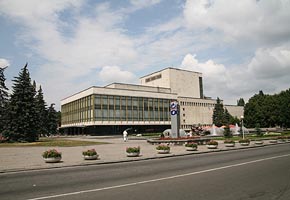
(173, 112)
(173, 105)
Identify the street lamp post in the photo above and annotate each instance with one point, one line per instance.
(242, 124)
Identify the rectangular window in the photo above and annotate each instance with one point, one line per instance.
(141, 109)
(155, 106)
(117, 108)
(111, 108)
(97, 99)
(123, 109)
(104, 102)
(150, 107)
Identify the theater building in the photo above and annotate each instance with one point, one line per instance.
(143, 108)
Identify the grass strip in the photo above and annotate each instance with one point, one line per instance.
(52, 142)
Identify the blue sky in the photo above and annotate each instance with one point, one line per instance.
(240, 47)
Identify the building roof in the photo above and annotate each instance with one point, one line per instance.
(173, 68)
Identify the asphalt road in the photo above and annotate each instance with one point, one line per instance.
(258, 173)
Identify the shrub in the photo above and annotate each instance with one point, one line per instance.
(90, 152)
(229, 141)
(244, 141)
(52, 153)
(212, 142)
(133, 149)
(258, 130)
(227, 132)
(191, 144)
(163, 147)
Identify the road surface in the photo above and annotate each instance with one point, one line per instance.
(257, 173)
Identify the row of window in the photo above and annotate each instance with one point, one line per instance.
(188, 103)
(115, 108)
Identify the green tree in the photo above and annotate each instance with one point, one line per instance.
(227, 117)
(42, 113)
(241, 102)
(218, 113)
(268, 110)
(227, 132)
(254, 110)
(22, 114)
(258, 130)
(52, 123)
(283, 100)
(59, 119)
(234, 120)
(3, 100)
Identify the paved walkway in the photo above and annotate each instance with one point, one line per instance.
(27, 158)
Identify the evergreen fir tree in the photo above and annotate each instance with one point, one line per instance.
(227, 117)
(22, 112)
(241, 102)
(41, 112)
(227, 132)
(3, 100)
(52, 123)
(218, 113)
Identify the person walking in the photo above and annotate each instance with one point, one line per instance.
(125, 136)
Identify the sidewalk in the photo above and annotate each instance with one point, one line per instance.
(28, 158)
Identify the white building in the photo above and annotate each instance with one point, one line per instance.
(144, 107)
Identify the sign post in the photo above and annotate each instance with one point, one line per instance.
(175, 119)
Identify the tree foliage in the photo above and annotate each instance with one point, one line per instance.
(3, 99)
(52, 120)
(227, 132)
(241, 102)
(27, 115)
(268, 110)
(218, 113)
(22, 113)
(221, 115)
(42, 113)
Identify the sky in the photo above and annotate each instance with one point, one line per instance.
(240, 47)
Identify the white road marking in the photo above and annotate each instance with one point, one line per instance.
(159, 179)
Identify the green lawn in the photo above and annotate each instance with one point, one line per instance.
(52, 142)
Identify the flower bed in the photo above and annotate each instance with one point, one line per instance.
(180, 138)
(163, 149)
(229, 143)
(90, 154)
(133, 151)
(191, 146)
(244, 142)
(212, 144)
(51, 156)
(52, 153)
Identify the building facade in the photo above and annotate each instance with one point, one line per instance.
(142, 108)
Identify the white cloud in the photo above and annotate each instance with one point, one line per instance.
(95, 41)
(144, 3)
(74, 50)
(258, 21)
(34, 10)
(214, 75)
(110, 74)
(4, 63)
(271, 63)
(268, 70)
